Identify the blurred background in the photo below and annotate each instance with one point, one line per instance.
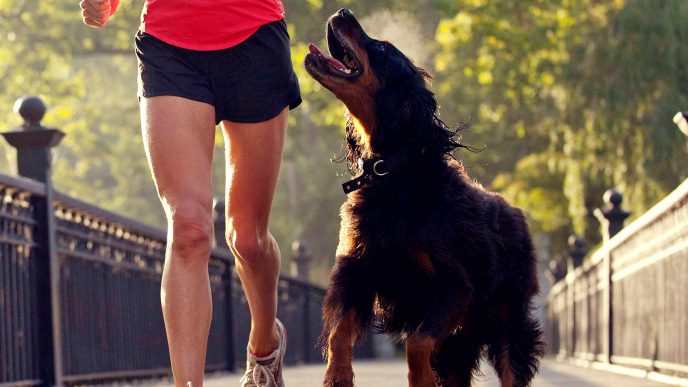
(566, 99)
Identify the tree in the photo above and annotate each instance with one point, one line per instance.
(591, 84)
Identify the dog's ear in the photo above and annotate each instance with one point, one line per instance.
(407, 116)
(404, 110)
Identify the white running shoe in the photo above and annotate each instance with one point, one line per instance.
(266, 371)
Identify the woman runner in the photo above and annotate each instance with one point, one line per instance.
(204, 63)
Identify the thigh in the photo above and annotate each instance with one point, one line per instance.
(253, 156)
(178, 135)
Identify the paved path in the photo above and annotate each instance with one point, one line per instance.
(393, 374)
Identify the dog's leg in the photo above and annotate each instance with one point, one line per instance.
(419, 350)
(339, 372)
(347, 311)
(458, 357)
(445, 314)
(516, 353)
(516, 348)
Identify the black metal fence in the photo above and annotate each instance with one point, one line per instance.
(106, 298)
(627, 304)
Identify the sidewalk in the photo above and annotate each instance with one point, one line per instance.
(393, 374)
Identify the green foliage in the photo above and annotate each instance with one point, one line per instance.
(591, 84)
(567, 97)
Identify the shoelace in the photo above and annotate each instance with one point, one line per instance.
(260, 372)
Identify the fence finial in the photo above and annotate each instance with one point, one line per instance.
(300, 261)
(556, 270)
(32, 140)
(31, 109)
(613, 217)
(577, 250)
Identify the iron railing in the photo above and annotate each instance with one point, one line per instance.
(627, 305)
(104, 310)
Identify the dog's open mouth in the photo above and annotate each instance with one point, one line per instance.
(342, 62)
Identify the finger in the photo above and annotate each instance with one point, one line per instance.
(83, 4)
(100, 16)
(100, 5)
(93, 23)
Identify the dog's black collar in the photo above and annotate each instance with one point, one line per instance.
(373, 169)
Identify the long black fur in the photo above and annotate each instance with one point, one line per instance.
(475, 296)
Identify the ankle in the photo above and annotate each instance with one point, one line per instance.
(264, 347)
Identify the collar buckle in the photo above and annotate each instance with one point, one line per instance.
(380, 164)
(374, 168)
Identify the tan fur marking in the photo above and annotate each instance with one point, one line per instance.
(424, 262)
(362, 132)
(419, 349)
(507, 379)
(339, 351)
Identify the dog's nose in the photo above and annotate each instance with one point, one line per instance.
(344, 12)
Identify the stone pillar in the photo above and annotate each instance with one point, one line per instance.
(33, 141)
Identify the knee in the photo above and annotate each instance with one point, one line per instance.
(249, 246)
(191, 231)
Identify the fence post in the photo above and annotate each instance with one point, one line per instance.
(219, 223)
(221, 242)
(612, 219)
(300, 261)
(33, 143)
(577, 252)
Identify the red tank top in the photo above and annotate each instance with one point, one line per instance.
(205, 25)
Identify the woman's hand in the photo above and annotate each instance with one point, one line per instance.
(95, 12)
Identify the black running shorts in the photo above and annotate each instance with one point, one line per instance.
(251, 82)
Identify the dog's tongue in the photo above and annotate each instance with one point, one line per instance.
(314, 49)
(335, 63)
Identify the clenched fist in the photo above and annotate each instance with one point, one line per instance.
(96, 12)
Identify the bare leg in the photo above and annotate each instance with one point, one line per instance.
(254, 154)
(178, 137)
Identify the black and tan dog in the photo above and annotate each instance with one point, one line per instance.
(425, 254)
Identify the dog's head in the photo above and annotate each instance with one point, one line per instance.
(387, 96)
